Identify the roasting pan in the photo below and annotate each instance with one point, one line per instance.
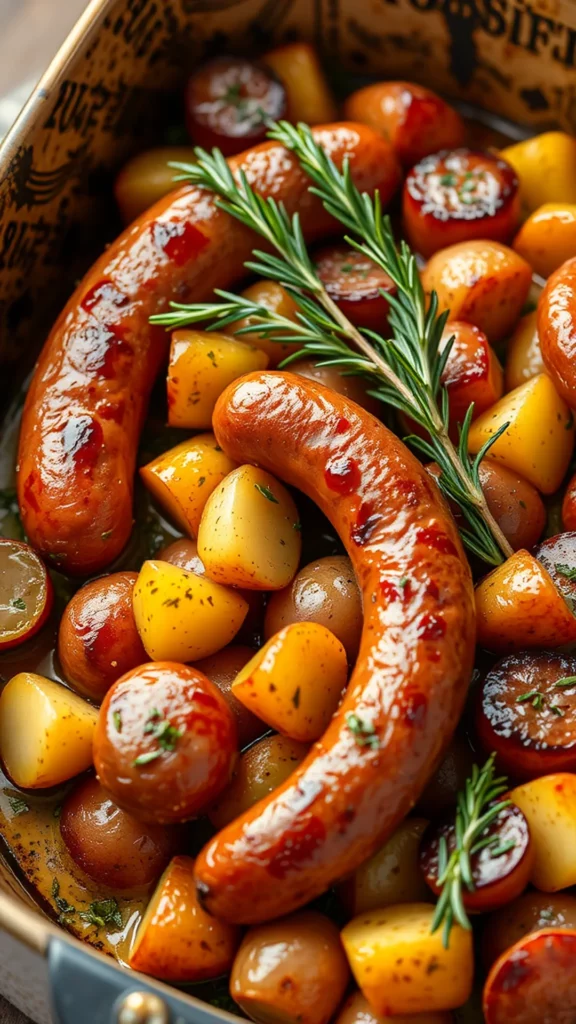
(115, 87)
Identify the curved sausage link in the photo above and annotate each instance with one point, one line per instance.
(89, 393)
(415, 658)
(557, 329)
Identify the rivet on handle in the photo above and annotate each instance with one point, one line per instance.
(142, 1008)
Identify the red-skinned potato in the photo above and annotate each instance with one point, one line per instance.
(147, 177)
(351, 387)
(229, 101)
(357, 1010)
(222, 669)
(515, 504)
(110, 846)
(98, 641)
(165, 742)
(472, 372)
(415, 120)
(530, 912)
(324, 591)
(177, 940)
(518, 606)
(482, 282)
(355, 283)
(27, 593)
(184, 554)
(534, 982)
(292, 970)
(526, 712)
(498, 877)
(457, 195)
(259, 771)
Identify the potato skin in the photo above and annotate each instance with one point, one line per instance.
(529, 913)
(392, 875)
(259, 771)
(482, 282)
(108, 844)
(324, 591)
(515, 504)
(415, 120)
(221, 669)
(178, 782)
(146, 178)
(357, 1010)
(98, 641)
(292, 970)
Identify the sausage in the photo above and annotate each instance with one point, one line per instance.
(557, 329)
(89, 393)
(408, 688)
(534, 982)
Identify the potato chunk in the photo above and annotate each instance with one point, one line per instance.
(549, 805)
(183, 478)
(249, 534)
(259, 771)
(545, 168)
(295, 682)
(202, 364)
(392, 875)
(539, 439)
(177, 940)
(45, 731)
(181, 616)
(401, 967)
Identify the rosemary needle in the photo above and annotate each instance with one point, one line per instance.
(477, 808)
(404, 371)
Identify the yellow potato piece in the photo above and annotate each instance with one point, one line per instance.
(182, 479)
(482, 282)
(272, 296)
(45, 731)
(539, 440)
(401, 967)
(392, 875)
(545, 168)
(308, 92)
(259, 771)
(523, 355)
(548, 238)
(202, 364)
(295, 682)
(549, 806)
(249, 534)
(181, 616)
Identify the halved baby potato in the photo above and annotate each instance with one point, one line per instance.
(249, 534)
(539, 439)
(177, 940)
(183, 478)
(379, 942)
(295, 682)
(181, 616)
(202, 364)
(45, 731)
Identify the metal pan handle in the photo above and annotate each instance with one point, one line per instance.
(86, 989)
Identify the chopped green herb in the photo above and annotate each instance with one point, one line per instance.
(557, 710)
(62, 904)
(17, 602)
(565, 682)
(534, 696)
(18, 805)
(160, 729)
(267, 493)
(296, 697)
(570, 421)
(103, 912)
(403, 582)
(153, 716)
(106, 534)
(150, 755)
(297, 527)
(448, 179)
(57, 811)
(522, 503)
(117, 719)
(212, 358)
(565, 570)
(497, 851)
(364, 732)
(346, 268)
(201, 481)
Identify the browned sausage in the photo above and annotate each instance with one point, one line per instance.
(534, 982)
(415, 658)
(90, 390)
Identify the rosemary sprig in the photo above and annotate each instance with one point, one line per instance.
(404, 372)
(477, 808)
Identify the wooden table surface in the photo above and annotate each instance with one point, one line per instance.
(30, 33)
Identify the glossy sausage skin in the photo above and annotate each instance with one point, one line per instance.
(557, 329)
(415, 655)
(90, 390)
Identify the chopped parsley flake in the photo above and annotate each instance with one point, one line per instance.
(267, 493)
(364, 732)
(103, 912)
